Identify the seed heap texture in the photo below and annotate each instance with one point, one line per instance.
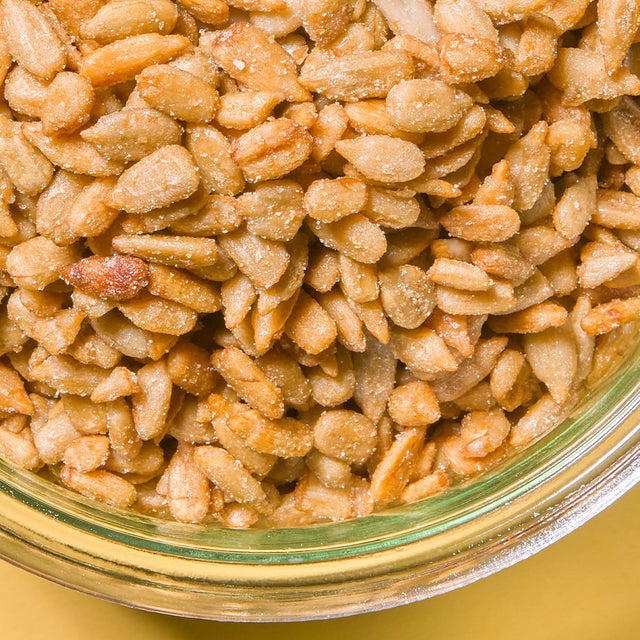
(278, 262)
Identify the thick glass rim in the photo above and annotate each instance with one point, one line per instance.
(401, 555)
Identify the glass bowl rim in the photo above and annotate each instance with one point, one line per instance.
(565, 478)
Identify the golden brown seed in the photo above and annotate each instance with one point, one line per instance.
(190, 368)
(71, 152)
(32, 41)
(426, 105)
(158, 315)
(569, 142)
(67, 103)
(263, 261)
(323, 20)
(246, 109)
(423, 351)
(356, 76)
(392, 473)
(271, 150)
(345, 435)
(383, 158)
(121, 382)
(116, 277)
(247, 54)
(274, 210)
(89, 215)
(532, 320)
(249, 381)
(407, 295)
(528, 161)
(13, 397)
(618, 24)
(177, 251)
(427, 486)
(482, 432)
(180, 286)
(18, 450)
(465, 58)
(188, 487)
(100, 485)
(151, 404)
(123, 60)
(231, 477)
(606, 317)
(214, 12)
(57, 333)
(463, 464)
(329, 200)
(286, 438)
(396, 209)
(310, 326)
(26, 167)
(459, 274)
(481, 223)
(178, 93)
(34, 264)
(616, 209)
(414, 405)
(130, 135)
(122, 18)
(166, 176)
(354, 236)
(87, 453)
(24, 92)
(553, 357)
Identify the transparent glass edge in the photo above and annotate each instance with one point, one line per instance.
(365, 581)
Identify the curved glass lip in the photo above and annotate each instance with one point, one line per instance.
(574, 472)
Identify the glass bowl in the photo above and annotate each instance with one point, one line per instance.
(401, 555)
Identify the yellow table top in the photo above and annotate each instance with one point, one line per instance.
(586, 586)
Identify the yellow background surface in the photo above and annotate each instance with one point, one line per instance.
(586, 586)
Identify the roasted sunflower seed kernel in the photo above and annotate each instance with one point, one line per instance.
(124, 59)
(231, 477)
(392, 474)
(345, 435)
(272, 150)
(176, 251)
(178, 93)
(249, 381)
(26, 167)
(329, 200)
(24, 92)
(67, 103)
(287, 438)
(482, 223)
(100, 485)
(465, 58)
(32, 41)
(115, 277)
(246, 109)
(158, 315)
(383, 158)
(124, 18)
(356, 76)
(132, 134)
(414, 405)
(70, 152)
(34, 264)
(165, 176)
(426, 105)
(247, 54)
